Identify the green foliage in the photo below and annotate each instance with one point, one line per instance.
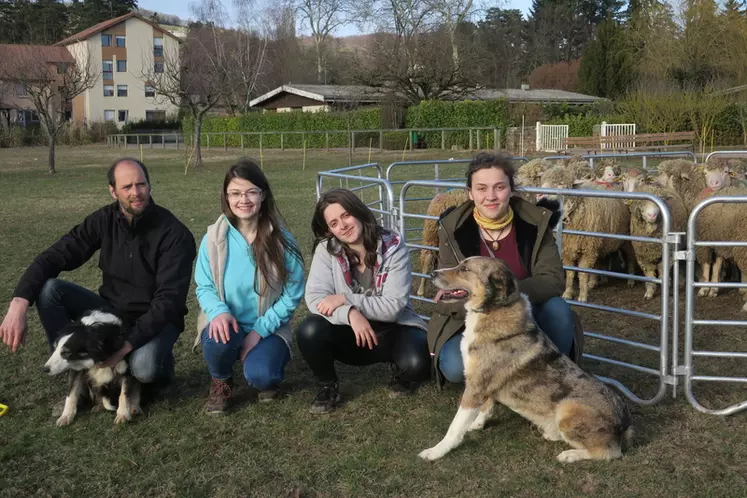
(309, 125)
(607, 68)
(579, 125)
(19, 136)
(450, 114)
(148, 126)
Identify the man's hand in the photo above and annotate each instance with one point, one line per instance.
(219, 329)
(251, 340)
(330, 303)
(364, 334)
(15, 325)
(117, 357)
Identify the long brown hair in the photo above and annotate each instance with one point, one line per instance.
(372, 231)
(271, 243)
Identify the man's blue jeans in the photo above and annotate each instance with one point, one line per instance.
(61, 303)
(554, 317)
(264, 365)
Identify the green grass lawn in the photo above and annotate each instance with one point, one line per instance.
(370, 447)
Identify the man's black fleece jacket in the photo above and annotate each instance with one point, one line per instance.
(146, 266)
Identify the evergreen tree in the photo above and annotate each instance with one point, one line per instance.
(607, 67)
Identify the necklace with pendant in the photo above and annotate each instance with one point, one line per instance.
(494, 241)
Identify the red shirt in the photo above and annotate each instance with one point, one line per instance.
(508, 251)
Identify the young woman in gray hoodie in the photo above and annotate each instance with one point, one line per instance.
(358, 291)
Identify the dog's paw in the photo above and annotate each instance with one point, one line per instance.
(122, 418)
(713, 292)
(568, 295)
(702, 292)
(570, 456)
(431, 454)
(65, 419)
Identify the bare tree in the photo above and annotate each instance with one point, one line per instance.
(246, 55)
(452, 13)
(197, 77)
(52, 78)
(322, 17)
(5, 89)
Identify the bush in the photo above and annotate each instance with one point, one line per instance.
(313, 123)
(451, 114)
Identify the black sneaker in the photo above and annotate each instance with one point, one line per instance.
(327, 400)
(399, 388)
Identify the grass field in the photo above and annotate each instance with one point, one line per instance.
(370, 447)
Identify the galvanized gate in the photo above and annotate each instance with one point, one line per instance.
(549, 138)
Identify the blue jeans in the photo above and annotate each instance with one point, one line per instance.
(62, 302)
(554, 317)
(264, 365)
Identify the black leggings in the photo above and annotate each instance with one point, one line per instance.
(321, 343)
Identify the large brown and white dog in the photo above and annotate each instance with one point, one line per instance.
(508, 359)
(79, 350)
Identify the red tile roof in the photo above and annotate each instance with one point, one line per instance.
(12, 57)
(103, 26)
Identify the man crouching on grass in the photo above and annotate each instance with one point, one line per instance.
(146, 257)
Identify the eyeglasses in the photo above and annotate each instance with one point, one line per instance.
(253, 194)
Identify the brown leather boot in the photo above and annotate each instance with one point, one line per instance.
(220, 393)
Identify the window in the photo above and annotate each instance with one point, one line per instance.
(121, 90)
(120, 40)
(108, 75)
(155, 115)
(158, 47)
(109, 115)
(109, 91)
(61, 67)
(122, 116)
(150, 91)
(106, 40)
(158, 67)
(121, 66)
(20, 90)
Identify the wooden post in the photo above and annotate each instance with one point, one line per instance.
(242, 142)
(381, 140)
(141, 152)
(261, 153)
(208, 140)
(479, 132)
(150, 140)
(470, 139)
(225, 141)
(137, 138)
(282, 141)
(496, 139)
(303, 168)
(176, 140)
(326, 139)
(443, 139)
(370, 146)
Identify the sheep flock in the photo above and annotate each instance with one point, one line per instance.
(680, 184)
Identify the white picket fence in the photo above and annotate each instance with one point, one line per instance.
(611, 130)
(550, 137)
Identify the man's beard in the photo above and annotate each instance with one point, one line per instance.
(132, 211)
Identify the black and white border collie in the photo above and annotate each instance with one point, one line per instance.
(80, 348)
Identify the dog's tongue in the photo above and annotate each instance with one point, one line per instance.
(438, 295)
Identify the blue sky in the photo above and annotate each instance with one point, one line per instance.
(181, 8)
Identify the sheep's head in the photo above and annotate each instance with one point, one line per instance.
(529, 174)
(738, 169)
(582, 172)
(633, 177)
(717, 175)
(556, 177)
(607, 171)
(646, 211)
(673, 172)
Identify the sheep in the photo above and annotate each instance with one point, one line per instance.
(591, 214)
(723, 222)
(646, 221)
(529, 175)
(718, 181)
(684, 177)
(606, 174)
(634, 178)
(438, 205)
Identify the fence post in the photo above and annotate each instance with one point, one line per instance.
(443, 139)
(241, 136)
(470, 139)
(326, 139)
(479, 132)
(176, 139)
(282, 141)
(208, 140)
(381, 141)
(496, 138)
(137, 137)
(260, 141)
(352, 140)
(150, 140)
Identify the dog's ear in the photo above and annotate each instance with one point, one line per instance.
(502, 283)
